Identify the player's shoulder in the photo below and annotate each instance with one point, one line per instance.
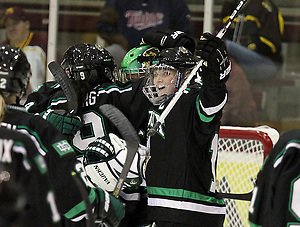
(113, 87)
(286, 138)
(15, 138)
(47, 86)
(12, 134)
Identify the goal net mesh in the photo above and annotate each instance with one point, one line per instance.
(241, 153)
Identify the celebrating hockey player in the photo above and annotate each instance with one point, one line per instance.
(52, 145)
(180, 175)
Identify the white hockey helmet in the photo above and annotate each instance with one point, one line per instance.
(104, 159)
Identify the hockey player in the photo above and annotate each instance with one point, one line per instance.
(180, 175)
(35, 203)
(27, 198)
(136, 61)
(51, 144)
(91, 70)
(275, 200)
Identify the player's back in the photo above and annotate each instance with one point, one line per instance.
(18, 153)
(275, 200)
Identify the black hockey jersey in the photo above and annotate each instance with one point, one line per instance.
(18, 152)
(124, 96)
(276, 196)
(181, 172)
(196, 120)
(50, 97)
(60, 158)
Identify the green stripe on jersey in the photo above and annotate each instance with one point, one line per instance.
(181, 193)
(202, 117)
(80, 206)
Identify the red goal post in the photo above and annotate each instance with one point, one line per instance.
(241, 152)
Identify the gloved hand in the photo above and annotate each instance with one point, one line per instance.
(169, 38)
(213, 50)
(111, 210)
(65, 123)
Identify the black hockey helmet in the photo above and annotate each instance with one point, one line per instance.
(88, 62)
(14, 70)
(178, 57)
(177, 61)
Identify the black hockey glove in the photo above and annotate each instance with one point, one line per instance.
(65, 123)
(213, 50)
(169, 38)
(111, 210)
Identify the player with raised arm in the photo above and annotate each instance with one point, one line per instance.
(180, 174)
(52, 145)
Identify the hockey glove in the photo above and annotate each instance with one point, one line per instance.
(65, 123)
(111, 210)
(213, 50)
(169, 38)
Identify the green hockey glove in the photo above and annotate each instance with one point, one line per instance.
(67, 125)
(111, 210)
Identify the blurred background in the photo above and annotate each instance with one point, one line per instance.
(277, 99)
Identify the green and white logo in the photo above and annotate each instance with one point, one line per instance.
(63, 147)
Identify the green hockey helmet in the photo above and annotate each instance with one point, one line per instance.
(136, 61)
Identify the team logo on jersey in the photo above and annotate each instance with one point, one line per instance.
(153, 117)
(63, 147)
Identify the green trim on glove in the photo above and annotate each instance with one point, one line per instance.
(65, 124)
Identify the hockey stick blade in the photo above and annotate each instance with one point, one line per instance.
(129, 135)
(66, 85)
(245, 196)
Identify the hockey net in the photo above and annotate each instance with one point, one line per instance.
(240, 156)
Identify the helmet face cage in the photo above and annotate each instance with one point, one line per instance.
(177, 58)
(160, 93)
(14, 71)
(135, 62)
(89, 62)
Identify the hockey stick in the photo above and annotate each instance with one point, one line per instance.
(245, 196)
(129, 135)
(180, 91)
(66, 85)
(81, 186)
(68, 90)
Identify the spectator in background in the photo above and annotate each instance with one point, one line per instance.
(109, 37)
(136, 17)
(240, 109)
(34, 45)
(254, 39)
